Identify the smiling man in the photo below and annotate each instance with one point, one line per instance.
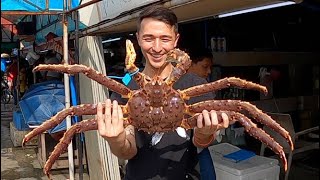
(170, 155)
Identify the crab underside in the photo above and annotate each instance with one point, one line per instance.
(157, 107)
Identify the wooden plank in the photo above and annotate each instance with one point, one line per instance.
(45, 147)
(102, 163)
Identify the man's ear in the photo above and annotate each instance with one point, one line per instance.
(177, 39)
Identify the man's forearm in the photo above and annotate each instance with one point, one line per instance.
(203, 140)
(124, 145)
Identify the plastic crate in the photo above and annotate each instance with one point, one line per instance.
(19, 122)
(254, 168)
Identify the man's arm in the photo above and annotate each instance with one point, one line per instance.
(208, 128)
(110, 127)
(203, 140)
(124, 145)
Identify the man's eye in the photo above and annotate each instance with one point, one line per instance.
(148, 39)
(166, 40)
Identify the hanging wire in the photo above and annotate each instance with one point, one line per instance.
(121, 77)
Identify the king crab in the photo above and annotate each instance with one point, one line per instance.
(157, 107)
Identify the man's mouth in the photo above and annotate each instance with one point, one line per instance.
(157, 57)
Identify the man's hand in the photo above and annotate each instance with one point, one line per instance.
(207, 126)
(207, 122)
(110, 127)
(110, 122)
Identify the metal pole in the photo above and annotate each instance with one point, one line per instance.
(67, 85)
(18, 75)
(76, 58)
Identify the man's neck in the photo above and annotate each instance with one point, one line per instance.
(162, 72)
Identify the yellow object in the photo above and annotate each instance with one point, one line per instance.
(23, 81)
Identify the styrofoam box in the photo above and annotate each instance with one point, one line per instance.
(254, 168)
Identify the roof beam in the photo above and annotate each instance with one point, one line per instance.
(30, 13)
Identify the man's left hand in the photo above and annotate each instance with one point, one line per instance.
(208, 124)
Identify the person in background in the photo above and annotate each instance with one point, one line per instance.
(5, 59)
(51, 58)
(12, 75)
(23, 80)
(201, 65)
(202, 62)
(171, 155)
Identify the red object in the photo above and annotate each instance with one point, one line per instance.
(12, 71)
(9, 25)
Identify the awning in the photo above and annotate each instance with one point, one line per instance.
(186, 10)
(16, 11)
(35, 6)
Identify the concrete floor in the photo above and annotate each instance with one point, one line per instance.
(22, 163)
(19, 163)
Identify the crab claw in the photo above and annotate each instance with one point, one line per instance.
(130, 57)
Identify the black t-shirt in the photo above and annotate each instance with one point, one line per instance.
(174, 157)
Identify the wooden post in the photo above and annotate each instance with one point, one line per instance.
(102, 163)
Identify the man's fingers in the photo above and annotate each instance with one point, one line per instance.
(100, 119)
(206, 117)
(225, 119)
(214, 117)
(120, 115)
(107, 113)
(115, 116)
(199, 121)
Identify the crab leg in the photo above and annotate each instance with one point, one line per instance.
(79, 110)
(236, 105)
(221, 84)
(85, 125)
(181, 68)
(90, 73)
(249, 126)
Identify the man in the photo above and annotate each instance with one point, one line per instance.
(173, 157)
(201, 63)
(51, 58)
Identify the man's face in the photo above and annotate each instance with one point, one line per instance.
(202, 68)
(156, 39)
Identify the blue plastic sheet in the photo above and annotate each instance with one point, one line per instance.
(41, 102)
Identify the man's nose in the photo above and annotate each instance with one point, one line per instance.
(157, 45)
(209, 71)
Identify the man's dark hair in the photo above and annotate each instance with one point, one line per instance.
(160, 13)
(199, 55)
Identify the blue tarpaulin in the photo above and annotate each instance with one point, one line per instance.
(41, 102)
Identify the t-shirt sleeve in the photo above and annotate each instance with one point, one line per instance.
(190, 80)
(115, 96)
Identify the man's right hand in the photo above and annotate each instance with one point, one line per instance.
(110, 122)
(110, 126)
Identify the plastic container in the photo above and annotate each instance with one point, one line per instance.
(254, 168)
(19, 121)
